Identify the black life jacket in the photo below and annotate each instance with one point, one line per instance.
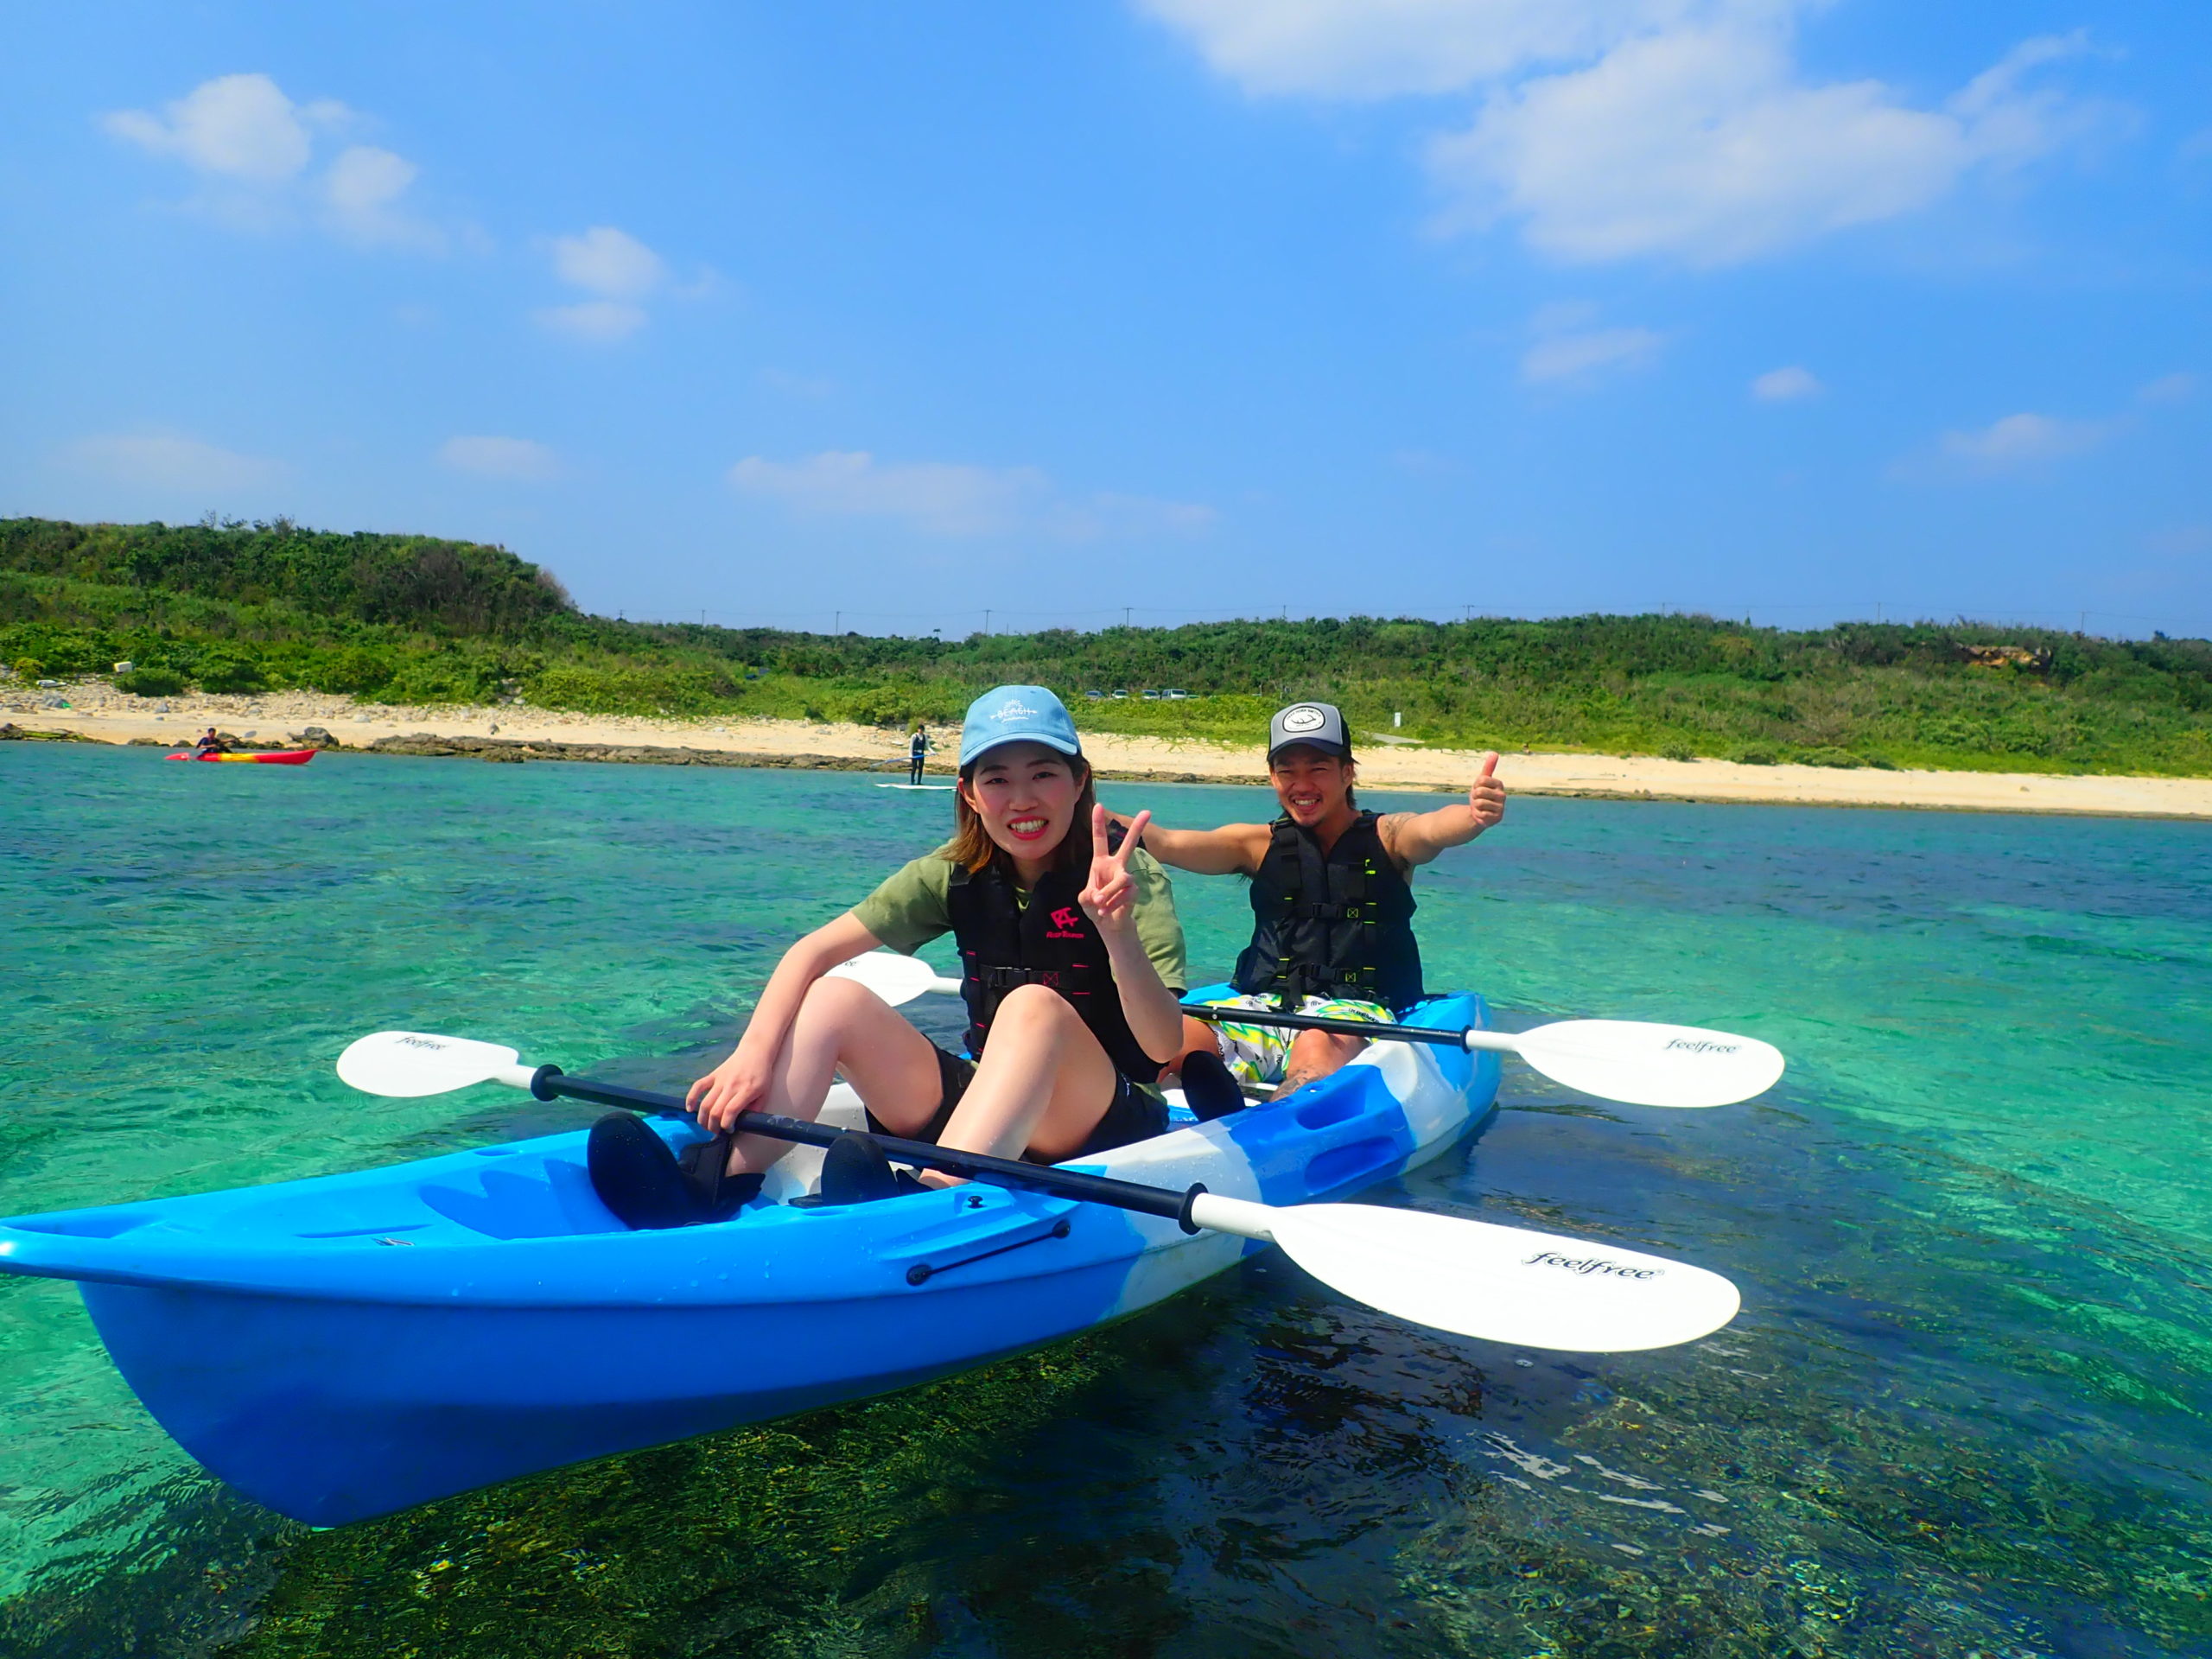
(1049, 942)
(1335, 925)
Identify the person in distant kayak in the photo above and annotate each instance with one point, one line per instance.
(208, 740)
(916, 752)
(1332, 906)
(1071, 962)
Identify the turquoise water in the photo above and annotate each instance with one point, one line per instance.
(1964, 1410)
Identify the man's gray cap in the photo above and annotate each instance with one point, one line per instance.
(1317, 725)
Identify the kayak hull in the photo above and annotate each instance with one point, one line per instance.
(270, 758)
(350, 1345)
(330, 1412)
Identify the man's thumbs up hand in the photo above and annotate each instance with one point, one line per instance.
(1486, 798)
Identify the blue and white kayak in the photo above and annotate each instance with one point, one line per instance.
(354, 1345)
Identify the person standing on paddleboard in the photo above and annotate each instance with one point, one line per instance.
(917, 751)
(1072, 964)
(1332, 907)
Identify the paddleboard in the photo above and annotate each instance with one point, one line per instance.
(914, 785)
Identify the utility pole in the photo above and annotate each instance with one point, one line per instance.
(836, 622)
(1125, 616)
(986, 624)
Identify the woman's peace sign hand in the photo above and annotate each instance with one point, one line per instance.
(1110, 898)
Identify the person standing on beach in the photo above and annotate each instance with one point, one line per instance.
(1332, 907)
(916, 752)
(1072, 964)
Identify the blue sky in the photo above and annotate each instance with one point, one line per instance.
(889, 314)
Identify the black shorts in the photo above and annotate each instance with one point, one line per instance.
(1134, 1113)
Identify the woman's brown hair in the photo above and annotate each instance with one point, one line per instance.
(973, 850)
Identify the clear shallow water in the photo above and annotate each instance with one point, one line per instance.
(1965, 1408)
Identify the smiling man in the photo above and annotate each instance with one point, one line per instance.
(1333, 901)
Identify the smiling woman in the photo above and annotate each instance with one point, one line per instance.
(1072, 965)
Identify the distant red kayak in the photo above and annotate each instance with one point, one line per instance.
(274, 757)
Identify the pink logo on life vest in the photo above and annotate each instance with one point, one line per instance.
(1066, 924)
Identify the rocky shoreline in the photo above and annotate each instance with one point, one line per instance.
(511, 750)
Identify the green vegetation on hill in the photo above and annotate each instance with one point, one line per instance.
(415, 620)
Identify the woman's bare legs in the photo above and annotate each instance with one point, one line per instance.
(1041, 1086)
(843, 1025)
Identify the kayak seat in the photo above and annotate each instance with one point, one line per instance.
(1209, 1089)
(549, 1200)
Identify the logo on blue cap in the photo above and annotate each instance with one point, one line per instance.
(1017, 714)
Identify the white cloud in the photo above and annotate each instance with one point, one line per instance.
(252, 146)
(606, 261)
(517, 460)
(1606, 129)
(2023, 439)
(165, 460)
(1702, 145)
(1567, 349)
(951, 498)
(601, 322)
(1786, 385)
(361, 193)
(242, 126)
(1387, 48)
(613, 264)
(2028, 440)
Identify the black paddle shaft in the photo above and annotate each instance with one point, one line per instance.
(1323, 1022)
(551, 1083)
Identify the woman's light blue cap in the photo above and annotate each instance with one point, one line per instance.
(1017, 714)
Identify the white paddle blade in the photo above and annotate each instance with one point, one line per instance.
(1652, 1065)
(404, 1064)
(895, 978)
(1506, 1284)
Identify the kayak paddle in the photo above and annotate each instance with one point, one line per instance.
(1475, 1278)
(1630, 1061)
(897, 979)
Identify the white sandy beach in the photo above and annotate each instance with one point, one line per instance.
(101, 713)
